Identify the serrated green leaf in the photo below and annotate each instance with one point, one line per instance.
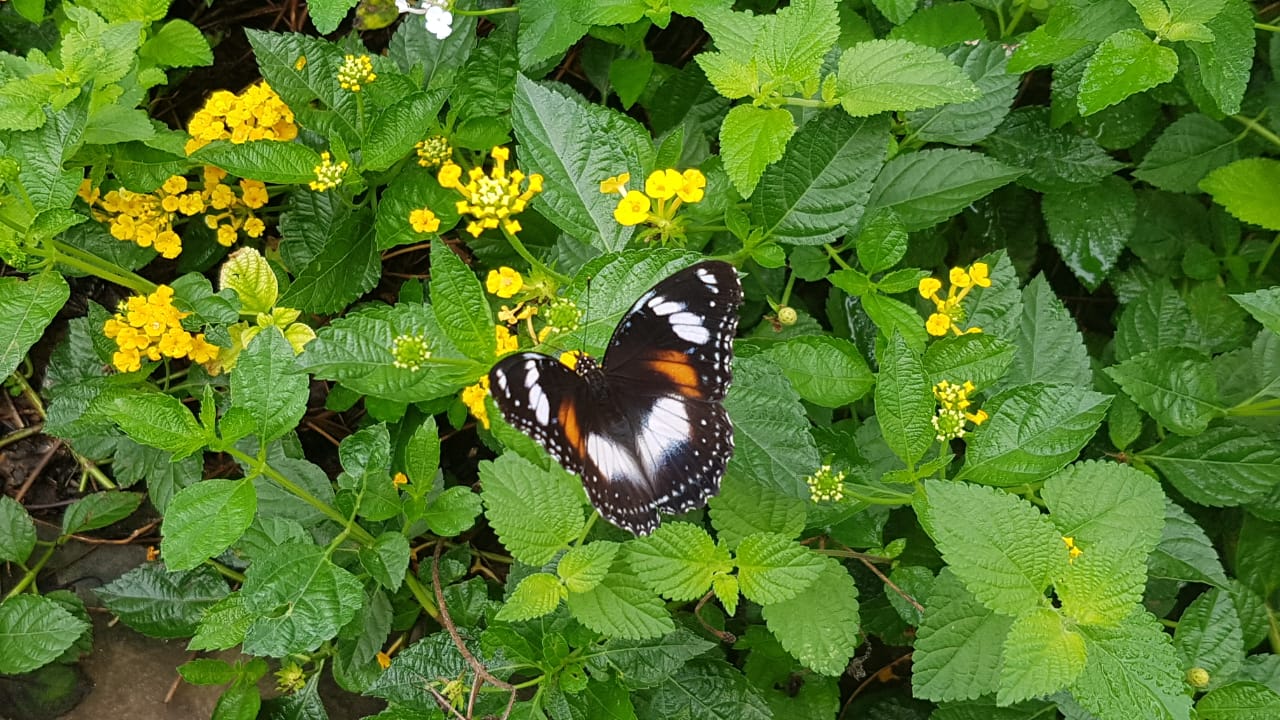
(1049, 347)
(1006, 561)
(1041, 656)
(819, 188)
(422, 457)
(177, 43)
(941, 26)
(207, 671)
(17, 531)
(744, 507)
(347, 267)
(986, 64)
(1226, 465)
(394, 131)
(34, 631)
(584, 566)
(1034, 430)
(895, 318)
(1157, 320)
(1104, 584)
(772, 444)
(820, 625)
(1246, 188)
(327, 14)
(727, 592)
(163, 604)
(158, 420)
(732, 77)
(1209, 636)
(899, 75)
(958, 645)
(268, 384)
(1125, 64)
(249, 275)
(387, 559)
(1055, 159)
(271, 161)
(773, 568)
(797, 37)
(413, 188)
(678, 560)
(535, 512)
(620, 606)
(320, 596)
(203, 520)
(751, 139)
(27, 307)
(1132, 672)
(826, 371)
(222, 625)
(1223, 65)
(99, 510)
(1189, 149)
(1263, 305)
(422, 663)
(1185, 551)
(973, 357)
(882, 242)
(452, 512)
(1175, 386)
(708, 690)
(1239, 701)
(535, 596)
(904, 404)
(366, 477)
(459, 304)
(547, 29)
(929, 186)
(645, 664)
(1095, 502)
(1091, 243)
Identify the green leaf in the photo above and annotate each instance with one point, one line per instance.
(575, 146)
(249, 274)
(34, 631)
(1209, 636)
(26, 309)
(904, 404)
(326, 15)
(223, 625)
(1104, 584)
(958, 645)
(816, 193)
(268, 384)
(163, 604)
(647, 663)
(1055, 159)
(205, 519)
(459, 304)
(772, 443)
(535, 512)
(366, 477)
(941, 26)
(986, 64)
(751, 139)
(347, 267)
(1034, 430)
(422, 456)
(744, 507)
(894, 318)
(1185, 551)
(1189, 149)
(1226, 465)
(1048, 345)
(387, 560)
(929, 186)
(272, 161)
(177, 43)
(620, 606)
(882, 242)
(1091, 242)
(422, 663)
(773, 568)
(452, 512)
(898, 75)
(207, 671)
(1263, 305)
(413, 188)
(535, 596)
(708, 690)
(678, 560)
(1246, 188)
(1008, 559)
(795, 40)
(158, 420)
(973, 357)
(1175, 386)
(99, 510)
(17, 531)
(584, 566)
(320, 597)
(820, 625)
(547, 29)
(1239, 701)
(1157, 320)
(826, 371)
(1224, 64)
(1132, 672)
(394, 131)
(1096, 502)
(1041, 656)
(1125, 64)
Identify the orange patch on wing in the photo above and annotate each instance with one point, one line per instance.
(569, 423)
(676, 368)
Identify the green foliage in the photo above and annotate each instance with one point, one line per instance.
(1083, 193)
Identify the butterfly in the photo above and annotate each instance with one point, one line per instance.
(645, 428)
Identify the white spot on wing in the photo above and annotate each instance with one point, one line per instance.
(689, 327)
(664, 431)
(614, 461)
(669, 307)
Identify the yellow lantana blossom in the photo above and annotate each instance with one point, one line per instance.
(503, 282)
(258, 113)
(356, 71)
(668, 188)
(150, 326)
(949, 312)
(424, 221)
(492, 199)
(328, 173)
(506, 342)
(473, 397)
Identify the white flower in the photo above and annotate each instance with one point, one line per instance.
(439, 22)
(403, 6)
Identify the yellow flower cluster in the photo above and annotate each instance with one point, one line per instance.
(328, 173)
(258, 113)
(669, 188)
(503, 282)
(356, 71)
(147, 218)
(150, 326)
(953, 410)
(434, 151)
(949, 313)
(492, 199)
(473, 397)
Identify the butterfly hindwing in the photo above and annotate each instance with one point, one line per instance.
(532, 390)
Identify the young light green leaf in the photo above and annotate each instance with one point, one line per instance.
(1126, 63)
(620, 606)
(584, 566)
(177, 43)
(744, 507)
(1189, 149)
(1185, 551)
(819, 626)
(327, 14)
(826, 371)
(941, 26)
(453, 511)
(797, 37)
(249, 275)
(34, 631)
(17, 531)
(986, 64)
(929, 186)
(772, 444)
(205, 519)
(1176, 386)
(1132, 671)
(1091, 242)
(958, 645)
(268, 383)
(1244, 188)
(1096, 501)
(535, 596)
(26, 309)
(1041, 656)
(459, 304)
(751, 139)
(1209, 636)
(1007, 560)
(1103, 585)
(163, 604)
(819, 188)
(1263, 305)
(387, 560)
(1226, 465)
(904, 404)
(535, 512)
(321, 598)
(773, 568)
(678, 560)
(158, 420)
(1239, 701)
(1034, 430)
(897, 75)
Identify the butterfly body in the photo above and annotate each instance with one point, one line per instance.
(645, 429)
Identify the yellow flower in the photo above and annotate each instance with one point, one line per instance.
(126, 360)
(300, 63)
(929, 286)
(948, 312)
(258, 113)
(202, 351)
(433, 151)
(1072, 551)
(503, 282)
(424, 221)
(506, 342)
(979, 273)
(473, 397)
(662, 184)
(175, 185)
(632, 209)
(253, 193)
(493, 199)
(616, 184)
(399, 479)
(254, 227)
(519, 313)
(356, 71)
(953, 403)
(226, 235)
(938, 324)
(691, 189)
(328, 173)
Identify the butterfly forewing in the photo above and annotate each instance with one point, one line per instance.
(646, 431)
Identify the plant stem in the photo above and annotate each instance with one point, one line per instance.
(1257, 127)
(523, 252)
(30, 576)
(360, 534)
(93, 265)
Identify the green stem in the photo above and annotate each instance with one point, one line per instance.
(591, 521)
(836, 257)
(30, 576)
(1257, 128)
(810, 102)
(420, 594)
(1268, 28)
(92, 264)
(21, 434)
(523, 252)
(786, 293)
(1266, 258)
(87, 465)
(1255, 409)
(1016, 19)
(360, 534)
(225, 571)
